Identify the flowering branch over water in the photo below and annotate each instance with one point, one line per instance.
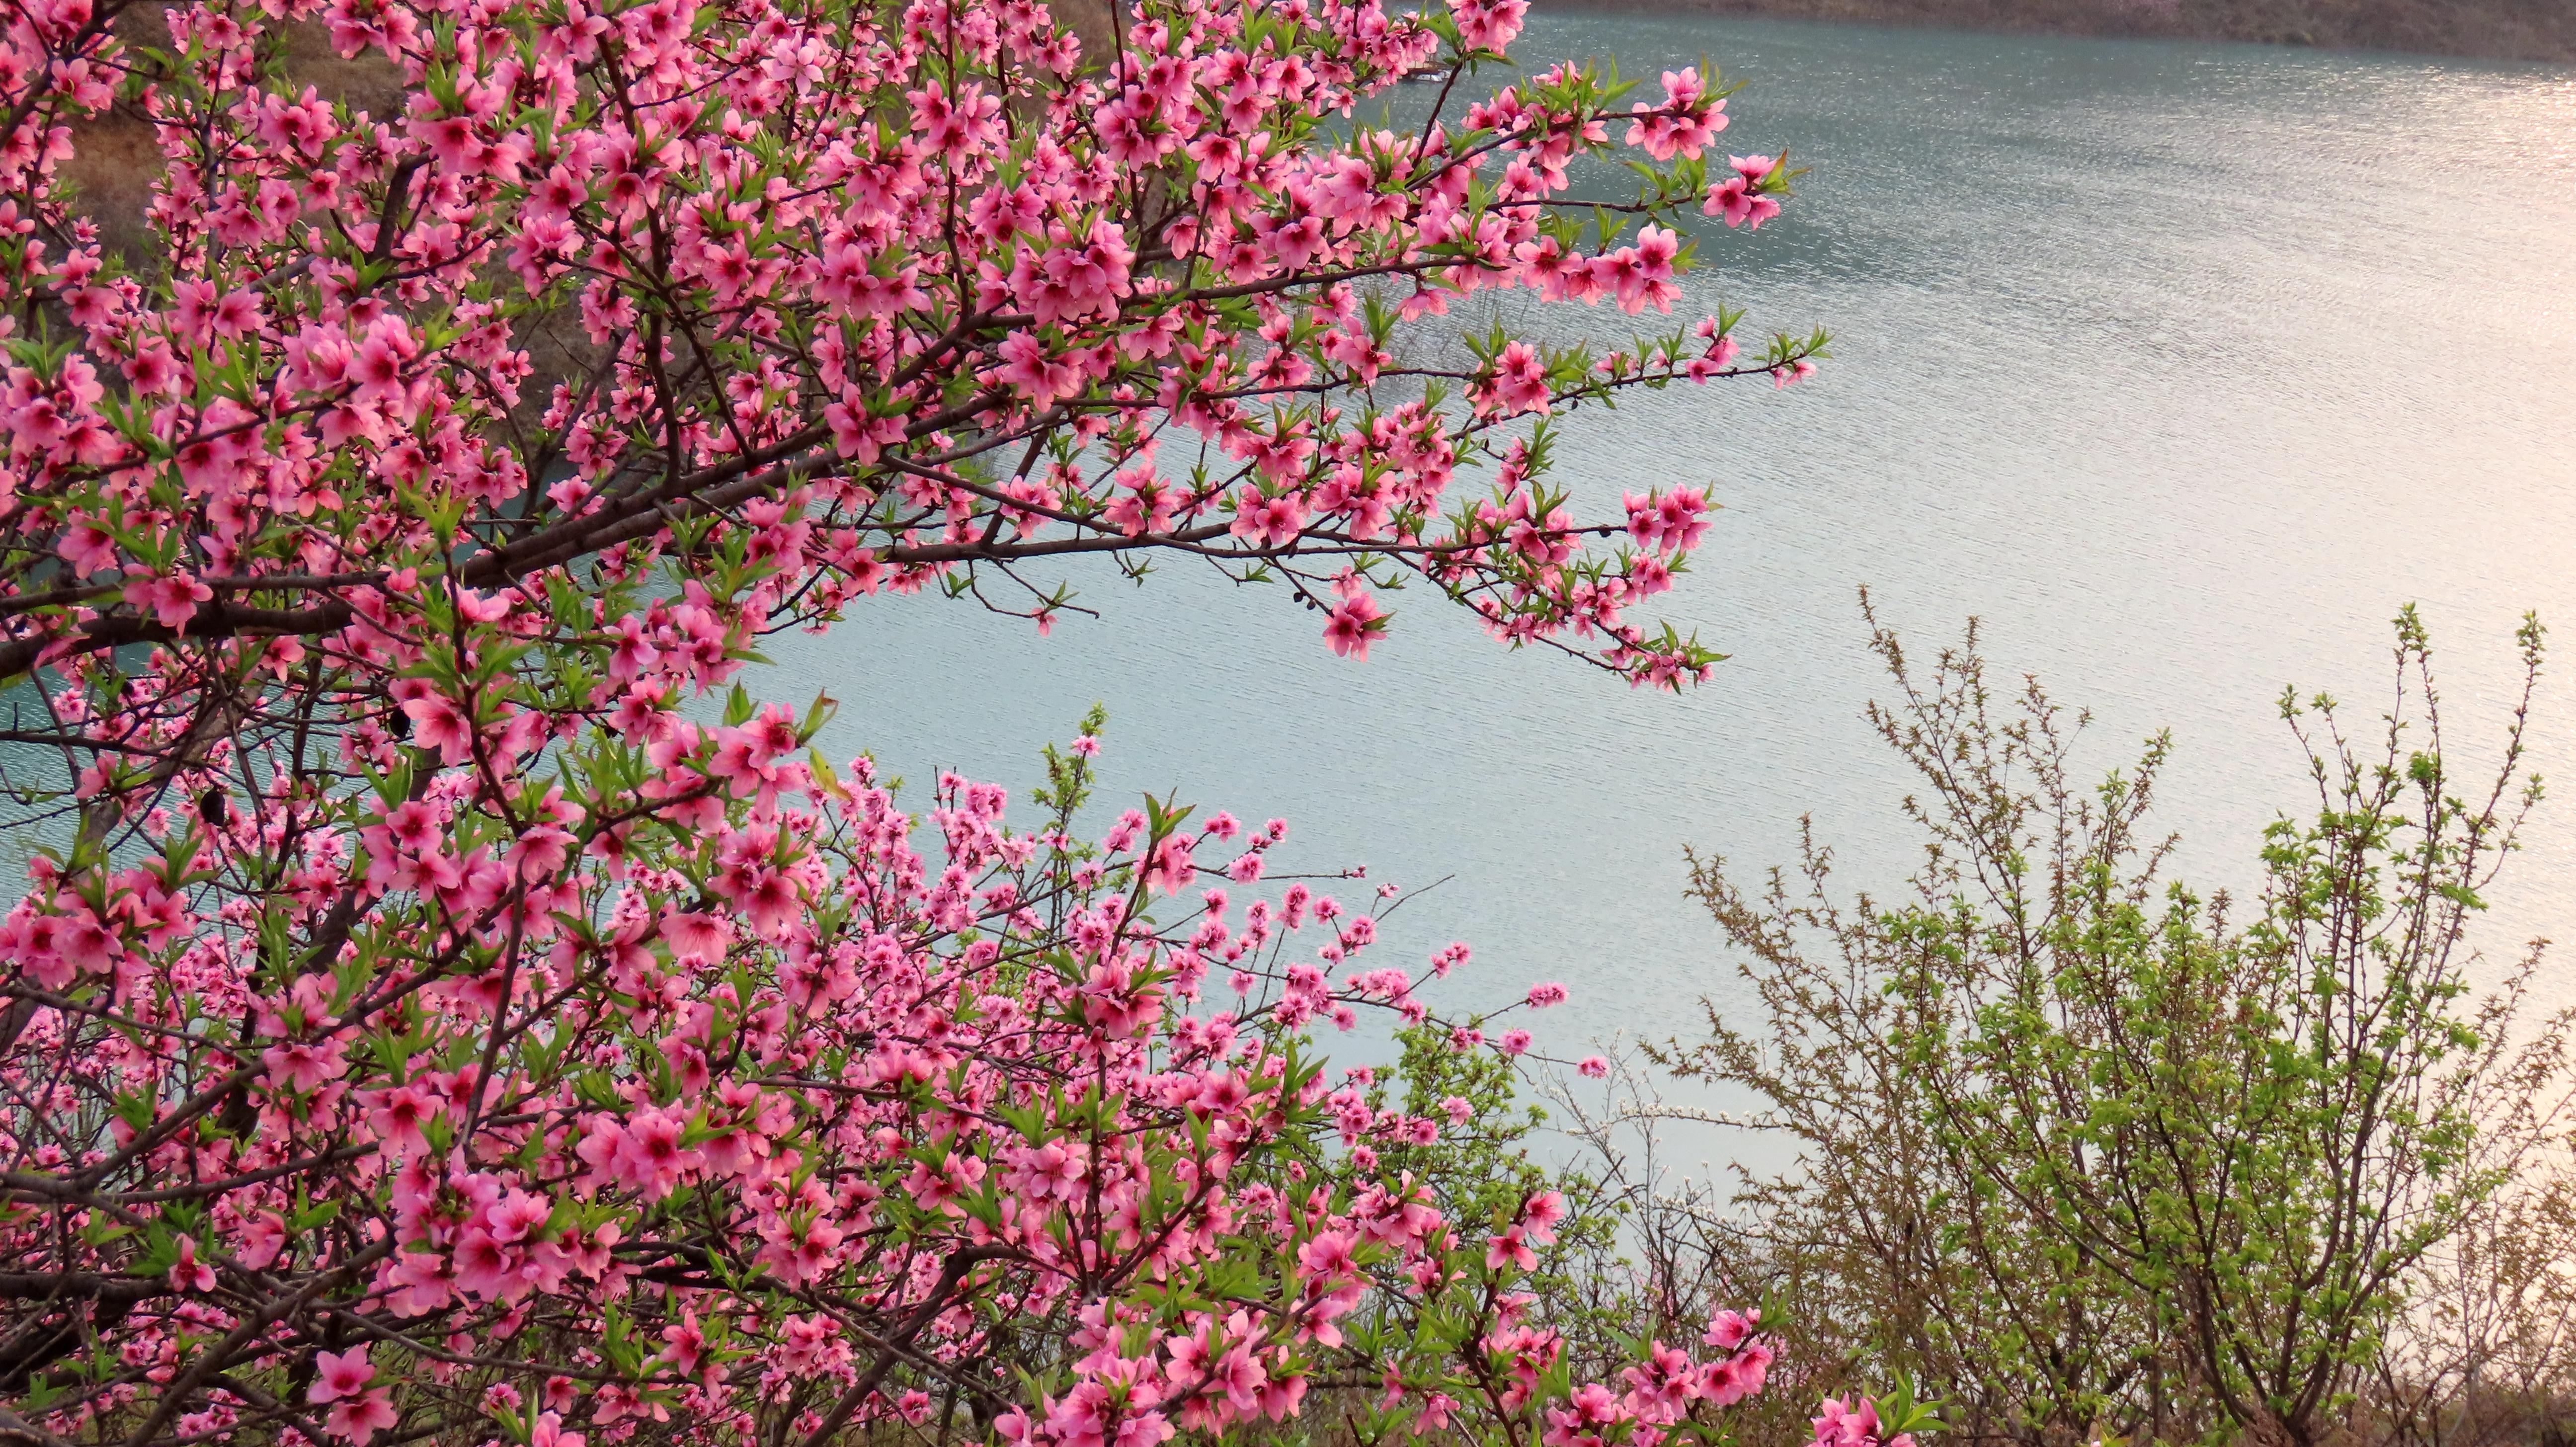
(455, 1008)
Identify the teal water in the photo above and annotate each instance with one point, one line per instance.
(2182, 366)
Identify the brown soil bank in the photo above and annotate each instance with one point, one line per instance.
(2487, 29)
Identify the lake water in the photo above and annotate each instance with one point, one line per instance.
(2182, 366)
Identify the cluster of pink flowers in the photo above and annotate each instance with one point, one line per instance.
(1854, 1423)
(661, 1152)
(1164, 323)
(1741, 198)
(1662, 1387)
(455, 1008)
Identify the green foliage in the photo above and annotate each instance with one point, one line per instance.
(2083, 1152)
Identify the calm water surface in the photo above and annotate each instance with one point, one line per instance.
(2181, 366)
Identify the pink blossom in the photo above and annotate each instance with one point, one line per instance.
(697, 937)
(1728, 1329)
(1738, 197)
(188, 1273)
(173, 600)
(1519, 380)
(340, 1374)
(356, 1419)
(1355, 621)
(1841, 1423)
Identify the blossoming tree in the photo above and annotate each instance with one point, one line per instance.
(453, 1009)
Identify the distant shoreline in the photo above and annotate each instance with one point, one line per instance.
(2543, 30)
